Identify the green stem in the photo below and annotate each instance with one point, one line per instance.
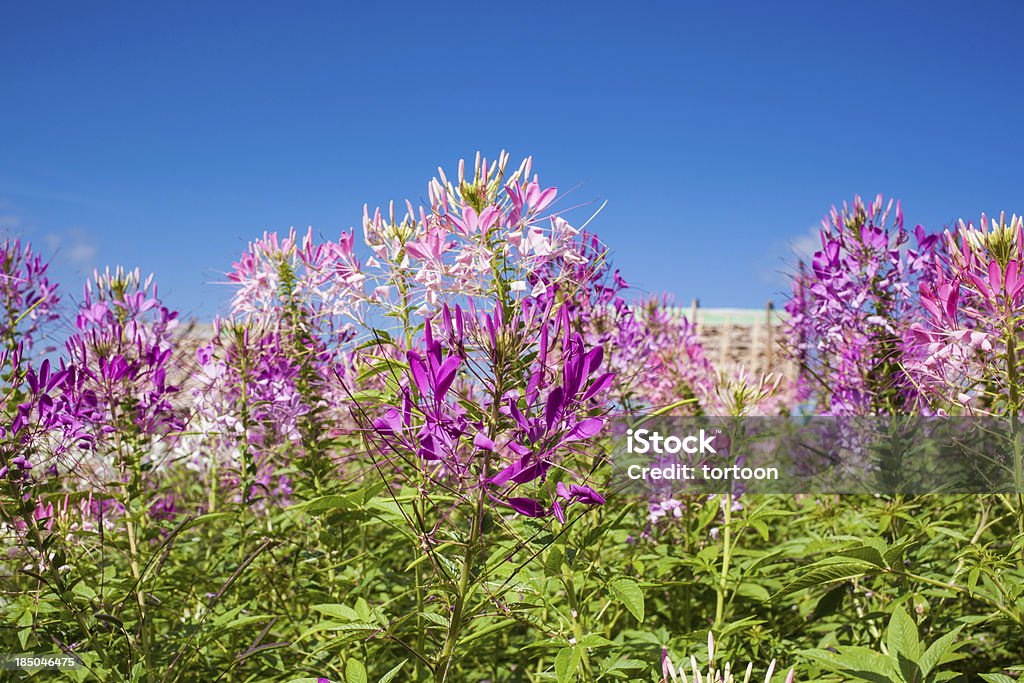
(56, 582)
(455, 625)
(132, 532)
(577, 626)
(462, 588)
(723, 580)
(1014, 410)
(996, 605)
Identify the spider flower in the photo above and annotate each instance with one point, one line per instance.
(28, 300)
(714, 672)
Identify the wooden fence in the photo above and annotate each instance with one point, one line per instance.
(742, 336)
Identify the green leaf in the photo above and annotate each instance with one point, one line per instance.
(938, 652)
(337, 612)
(997, 678)
(629, 593)
(355, 672)
(390, 675)
(594, 640)
(435, 618)
(972, 580)
(326, 504)
(866, 554)
(822, 573)
(859, 662)
(628, 665)
(566, 661)
(894, 555)
(337, 626)
(830, 602)
(335, 502)
(753, 591)
(901, 637)
(553, 562)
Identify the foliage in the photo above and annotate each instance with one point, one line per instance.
(388, 462)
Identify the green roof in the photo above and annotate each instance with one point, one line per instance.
(731, 316)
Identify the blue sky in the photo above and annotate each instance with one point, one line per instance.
(168, 136)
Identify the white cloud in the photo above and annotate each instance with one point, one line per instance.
(82, 254)
(783, 255)
(804, 246)
(76, 246)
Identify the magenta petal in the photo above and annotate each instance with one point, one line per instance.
(554, 406)
(980, 284)
(445, 376)
(518, 448)
(389, 423)
(995, 275)
(556, 508)
(532, 385)
(44, 373)
(482, 442)
(428, 340)
(532, 193)
(545, 198)
(1017, 288)
(586, 495)
(951, 302)
(517, 414)
(512, 190)
(585, 429)
(593, 359)
(502, 477)
(542, 356)
(930, 305)
(599, 385)
(573, 370)
(419, 371)
(1011, 276)
(526, 506)
(488, 217)
(470, 218)
(531, 472)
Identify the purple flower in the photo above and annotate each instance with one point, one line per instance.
(851, 312)
(537, 427)
(26, 294)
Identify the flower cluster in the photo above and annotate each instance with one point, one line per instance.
(673, 364)
(508, 433)
(123, 348)
(40, 417)
(28, 299)
(853, 305)
(317, 280)
(714, 673)
(975, 311)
